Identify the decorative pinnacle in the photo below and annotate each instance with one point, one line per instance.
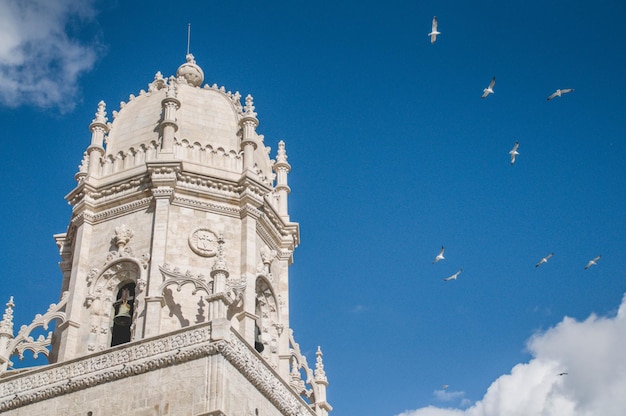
(249, 108)
(171, 88)
(220, 261)
(101, 114)
(281, 156)
(6, 325)
(189, 57)
(320, 374)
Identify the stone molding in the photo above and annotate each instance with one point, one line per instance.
(148, 355)
(257, 371)
(110, 365)
(206, 206)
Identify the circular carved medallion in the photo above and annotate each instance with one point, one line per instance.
(203, 242)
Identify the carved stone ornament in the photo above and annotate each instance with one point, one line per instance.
(123, 234)
(203, 242)
(142, 357)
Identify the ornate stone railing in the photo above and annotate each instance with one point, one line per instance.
(139, 357)
(146, 355)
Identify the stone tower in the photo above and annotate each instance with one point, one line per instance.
(175, 263)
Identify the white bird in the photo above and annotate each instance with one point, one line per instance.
(489, 89)
(558, 93)
(544, 260)
(433, 32)
(454, 276)
(592, 262)
(445, 386)
(439, 256)
(514, 152)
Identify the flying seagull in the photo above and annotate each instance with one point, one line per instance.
(433, 33)
(562, 374)
(592, 262)
(439, 256)
(514, 152)
(445, 386)
(489, 89)
(544, 260)
(454, 276)
(558, 93)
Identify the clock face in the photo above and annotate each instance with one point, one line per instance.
(203, 242)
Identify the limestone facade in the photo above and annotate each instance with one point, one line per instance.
(175, 270)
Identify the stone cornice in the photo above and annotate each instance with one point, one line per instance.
(105, 196)
(83, 215)
(255, 189)
(208, 185)
(206, 206)
(289, 232)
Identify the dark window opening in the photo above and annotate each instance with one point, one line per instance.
(124, 309)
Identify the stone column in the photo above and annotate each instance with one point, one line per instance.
(169, 126)
(95, 151)
(248, 124)
(69, 333)
(163, 176)
(282, 168)
(248, 268)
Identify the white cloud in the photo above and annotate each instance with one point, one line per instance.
(445, 395)
(39, 61)
(592, 354)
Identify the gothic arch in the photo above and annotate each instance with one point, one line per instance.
(104, 288)
(268, 319)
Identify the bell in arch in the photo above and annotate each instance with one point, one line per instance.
(123, 317)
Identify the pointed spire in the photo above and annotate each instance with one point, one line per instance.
(249, 108)
(101, 114)
(320, 374)
(6, 325)
(99, 126)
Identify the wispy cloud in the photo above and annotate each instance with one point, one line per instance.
(40, 61)
(590, 352)
(359, 309)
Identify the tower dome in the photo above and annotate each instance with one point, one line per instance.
(191, 71)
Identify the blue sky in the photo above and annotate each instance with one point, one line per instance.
(393, 155)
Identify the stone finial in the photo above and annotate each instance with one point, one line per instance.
(191, 72)
(101, 114)
(171, 88)
(158, 83)
(249, 108)
(6, 325)
(320, 374)
(281, 156)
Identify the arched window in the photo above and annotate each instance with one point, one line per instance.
(124, 307)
